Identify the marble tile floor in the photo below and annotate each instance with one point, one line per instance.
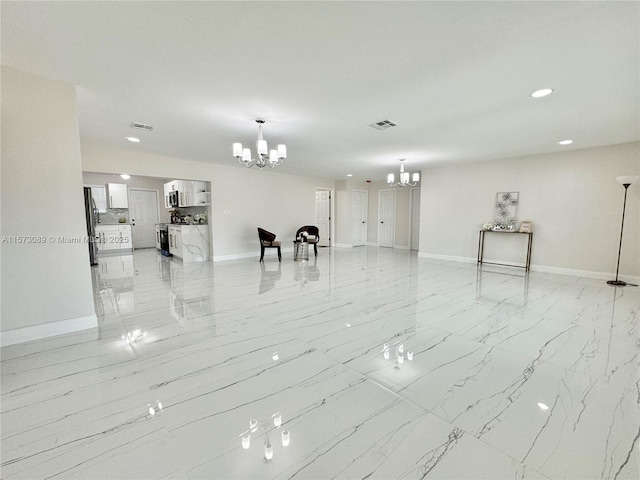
(511, 376)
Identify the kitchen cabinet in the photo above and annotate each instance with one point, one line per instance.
(185, 192)
(190, 243)
(126, 239)
(108, 237)
(190, 193)
(118, 197)
(175, 240)
(114, 238)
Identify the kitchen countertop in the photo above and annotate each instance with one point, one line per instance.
(187, 224)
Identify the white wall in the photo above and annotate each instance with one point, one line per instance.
(572, 198)
(241, 199)
(42, 196)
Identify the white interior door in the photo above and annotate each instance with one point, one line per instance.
(386, 218)
(359, 208)
(415, 219)
(143, 210)
(323, 217)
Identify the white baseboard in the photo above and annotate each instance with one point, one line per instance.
(372, 244)
(585, 273)
(541, 268)
(401, 247)
(449, 258)
(45, 330)
(344, 245)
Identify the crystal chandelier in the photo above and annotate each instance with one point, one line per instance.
(265, 158)
(404, 178)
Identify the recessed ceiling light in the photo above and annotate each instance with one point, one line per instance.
(543, 406)
(543, 92)
(125, 176)
(565, 142)
(349, 174)
(133, 139)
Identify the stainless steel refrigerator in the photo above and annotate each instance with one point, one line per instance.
(92, 216)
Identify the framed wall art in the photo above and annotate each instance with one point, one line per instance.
(506, 207)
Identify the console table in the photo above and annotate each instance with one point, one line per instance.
(527, 264)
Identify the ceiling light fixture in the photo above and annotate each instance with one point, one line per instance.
(133, 139)
(274, 159)
(565, 142)
(125, 176)
(404, 178)
(543, 92)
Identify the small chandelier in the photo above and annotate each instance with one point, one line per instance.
(274, 158)
(404, 178)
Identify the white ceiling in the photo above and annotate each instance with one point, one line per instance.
(455, 76)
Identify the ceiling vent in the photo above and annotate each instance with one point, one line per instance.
(383, 125)
(142, 126)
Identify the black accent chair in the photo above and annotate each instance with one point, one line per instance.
(313, 236)
(267, 240)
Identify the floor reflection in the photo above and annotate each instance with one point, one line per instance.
(268, 278)
(306, 271)
(502, 286)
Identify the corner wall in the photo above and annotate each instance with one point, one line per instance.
(46, 282)
(572, 198)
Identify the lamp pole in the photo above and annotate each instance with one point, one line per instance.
(626, 181)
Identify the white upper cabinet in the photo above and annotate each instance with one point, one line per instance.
(185, 190)
(190, 193)
(118, 195)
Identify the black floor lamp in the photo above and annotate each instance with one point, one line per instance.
(625, 181)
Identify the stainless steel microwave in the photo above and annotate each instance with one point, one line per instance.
(173, 198)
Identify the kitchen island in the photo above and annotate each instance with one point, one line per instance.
(190, 243)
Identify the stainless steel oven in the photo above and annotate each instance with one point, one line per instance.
(164, 239)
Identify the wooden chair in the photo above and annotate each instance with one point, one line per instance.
(267, 240)
(313, 236)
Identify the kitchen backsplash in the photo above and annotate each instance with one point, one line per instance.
(198, 215)
(114, 215)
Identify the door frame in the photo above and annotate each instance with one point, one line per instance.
(366, 216)
(157, 204)
(332, 212)
(411, 217)
(395, 201)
